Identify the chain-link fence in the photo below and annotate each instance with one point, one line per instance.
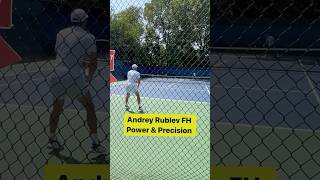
(265, 85)
(168, 40)
(32, 91)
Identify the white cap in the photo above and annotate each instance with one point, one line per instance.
(134, 66)
(78, 15)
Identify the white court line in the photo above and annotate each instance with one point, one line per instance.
(238, 87)
(207, 89)
(233, 87)
(261, 89)
(313, 88)
(168, 87)
(161, 99)
(265, 127)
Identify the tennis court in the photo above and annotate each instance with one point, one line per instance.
(162, 157)
(266, 112)
(24, 108)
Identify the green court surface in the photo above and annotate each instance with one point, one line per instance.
(294, 153)
(139, 158)
(24, 140)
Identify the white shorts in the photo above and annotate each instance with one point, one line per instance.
(132, 88)
(68, 86)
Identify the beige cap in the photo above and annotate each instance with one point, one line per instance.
(78, 15)
(134, 66)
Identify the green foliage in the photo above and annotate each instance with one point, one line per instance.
(166, 33)
(126, 29)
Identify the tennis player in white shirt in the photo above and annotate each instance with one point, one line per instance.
(132, 86)
(77, 55)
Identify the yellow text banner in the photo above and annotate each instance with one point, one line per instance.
(176, 125)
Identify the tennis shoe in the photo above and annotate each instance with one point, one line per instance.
(98, 148)
(140, 110)
(55, 145)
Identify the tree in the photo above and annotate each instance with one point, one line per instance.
(168, 33)
(126, 29)
(151, 47)
(182, 27)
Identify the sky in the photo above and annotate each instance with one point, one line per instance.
(119, 5)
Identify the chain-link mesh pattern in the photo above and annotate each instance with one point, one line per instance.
(265, 84)
(49, 68)
(168, 40)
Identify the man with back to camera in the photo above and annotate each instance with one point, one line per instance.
(133, 84)
(76, 53)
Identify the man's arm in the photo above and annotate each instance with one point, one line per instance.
(58, 42)
(139, 81)
(89, 61)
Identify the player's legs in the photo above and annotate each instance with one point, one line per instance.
(138, 98)
(58, 91)
(55, 114)
(139, 101)
(86, 101)
(53, 123)
(126, 100)
(128, 91)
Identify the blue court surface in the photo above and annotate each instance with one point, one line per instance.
(169, 88)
